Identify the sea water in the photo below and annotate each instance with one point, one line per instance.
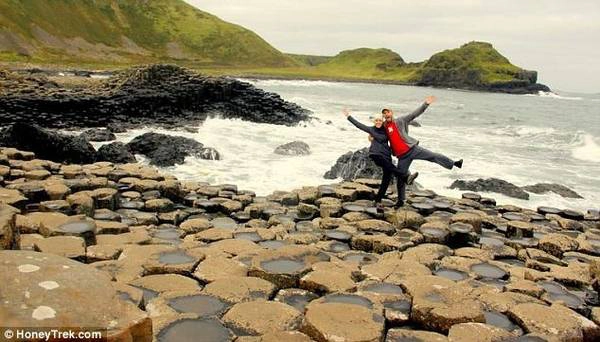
(523, 139)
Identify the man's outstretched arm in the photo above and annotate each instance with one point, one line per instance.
(410, 117)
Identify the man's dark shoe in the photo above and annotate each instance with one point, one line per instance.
(411, 178)
(399, 204)
(458, 163)
(379, 207)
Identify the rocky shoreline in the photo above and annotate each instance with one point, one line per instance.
(156, 258)
(527, 84)
(165, 95)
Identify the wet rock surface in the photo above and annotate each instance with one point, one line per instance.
(165, 95)
(314, 263)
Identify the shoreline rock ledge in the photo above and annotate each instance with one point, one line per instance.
(158, 94)
(150, 257)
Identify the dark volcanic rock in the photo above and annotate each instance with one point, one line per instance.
(294, 148)
(491, 185)
(115, 152)
(48, 144)
(354, 165)
(210, 153)
(116, 127)
(541, 188)
(167, 150)
(167, 95)
(98, 134)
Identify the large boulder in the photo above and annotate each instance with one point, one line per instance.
(48, 297)
(491, 185)
(47, 144)
(353, 165)
(98, 134)
(116, 152)
(167, 150)
(294, 148)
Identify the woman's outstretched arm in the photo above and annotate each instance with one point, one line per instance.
(357, 123)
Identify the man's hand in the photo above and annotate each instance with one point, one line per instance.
(345, 112)
(430, 99)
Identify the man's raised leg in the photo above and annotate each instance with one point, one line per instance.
(438, 158)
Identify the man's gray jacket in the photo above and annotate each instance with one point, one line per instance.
(402, 125)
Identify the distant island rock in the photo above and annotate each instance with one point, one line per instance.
(473, 66)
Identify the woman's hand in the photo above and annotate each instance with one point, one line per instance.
(370, 137)
(345, 112)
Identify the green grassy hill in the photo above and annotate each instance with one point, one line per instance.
(111, 34)
(475, 63)
(309, 60)
(126, 32)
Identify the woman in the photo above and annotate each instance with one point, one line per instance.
(381, 154)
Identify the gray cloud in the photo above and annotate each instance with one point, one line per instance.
(554, 37)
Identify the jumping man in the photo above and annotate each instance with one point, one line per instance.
(407, 149)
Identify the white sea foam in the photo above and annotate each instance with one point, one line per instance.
(551, 95)
(296, 83)
(589, 150)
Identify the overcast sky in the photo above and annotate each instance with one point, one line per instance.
(558, 38)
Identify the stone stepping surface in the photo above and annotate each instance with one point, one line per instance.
(172, 260)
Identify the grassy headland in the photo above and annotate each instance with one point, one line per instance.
(113, 34)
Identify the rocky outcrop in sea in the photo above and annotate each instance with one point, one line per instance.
(354, 165)
(166, 150)
(165, 95)
(160, 149)
(157, 258)
(506, 188)
(294, 148)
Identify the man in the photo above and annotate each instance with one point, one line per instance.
(407, 149)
